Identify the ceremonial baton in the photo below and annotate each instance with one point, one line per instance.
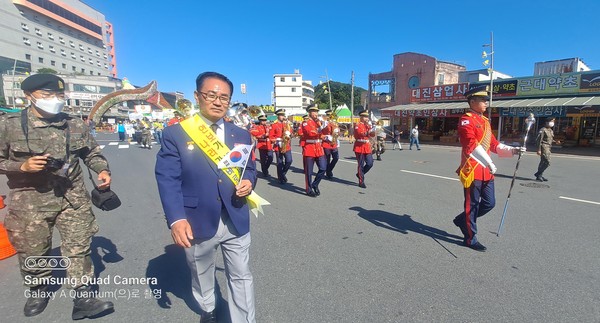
(530, 120)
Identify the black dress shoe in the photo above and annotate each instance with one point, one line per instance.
(362, 185)
(477, 247)
(539, 179)
(461, 226)
(316, 189)
(311, 193)
(544, 178)
(329, 176)
(37, 301)
(209, 317)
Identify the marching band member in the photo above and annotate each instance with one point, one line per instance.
(313, 151)
(265, 149)
(281, 135)
(477, 168)
(362, 146)
(330, 143)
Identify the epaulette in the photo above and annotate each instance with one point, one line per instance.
(469, 114)
(484, 117)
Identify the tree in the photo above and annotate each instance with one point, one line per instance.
(2, 101)
(46, 70)
(340, 95)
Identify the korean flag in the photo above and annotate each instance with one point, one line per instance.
(237, 157)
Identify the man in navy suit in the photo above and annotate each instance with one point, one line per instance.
(204, 209)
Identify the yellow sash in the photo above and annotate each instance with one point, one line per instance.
(207, 140)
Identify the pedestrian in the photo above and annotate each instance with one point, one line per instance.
(313, 152)
(414, 137)
(331, 142)
(477, 169)
(40, 149)
(265, 148)
(92, 125)
(544, 141)
(396, 140)
(121, 130)
(362, 147)
(281, 135)
(189, 183)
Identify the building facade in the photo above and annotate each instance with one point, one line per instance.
(67, 36)
(292, 93)
(409, 71)
(560, 66)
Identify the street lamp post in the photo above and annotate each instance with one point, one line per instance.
(490, 62)
(329, 90)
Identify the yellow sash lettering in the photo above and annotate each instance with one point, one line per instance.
(207, 140)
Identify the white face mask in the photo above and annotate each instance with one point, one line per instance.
(51, 106)
(550, 124)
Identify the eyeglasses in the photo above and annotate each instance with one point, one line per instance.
(49, 95)
(212, 97)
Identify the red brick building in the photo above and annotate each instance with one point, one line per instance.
(409, 71)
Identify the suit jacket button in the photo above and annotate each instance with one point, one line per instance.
(220, 181)
(219, 199)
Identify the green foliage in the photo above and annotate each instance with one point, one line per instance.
(340, 95)
(2, 101)
(46, 70)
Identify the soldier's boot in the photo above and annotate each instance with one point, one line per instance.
(37, 300)
(86, 305)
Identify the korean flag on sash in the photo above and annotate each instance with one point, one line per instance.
(237, 157)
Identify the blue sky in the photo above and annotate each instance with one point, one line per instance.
(249, 41)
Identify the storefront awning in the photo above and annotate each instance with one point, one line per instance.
(510, 103)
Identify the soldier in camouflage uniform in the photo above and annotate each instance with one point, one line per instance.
(145, 125)
(544, 142)
(46, 194)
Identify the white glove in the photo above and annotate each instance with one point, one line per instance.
(287, 133)
(336, 130)
(483, 158)
(493, 168)
(328, 138)
(519, 150)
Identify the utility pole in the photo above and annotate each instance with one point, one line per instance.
(352, 104)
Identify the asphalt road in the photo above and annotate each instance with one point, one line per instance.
(388, 253)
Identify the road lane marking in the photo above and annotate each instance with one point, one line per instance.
(123, 146)
(339, 160)
(578, 200)
(430, 175)
(113, 143)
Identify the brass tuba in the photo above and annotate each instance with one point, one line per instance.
(256, 112)
(184, 108)
(238, 114)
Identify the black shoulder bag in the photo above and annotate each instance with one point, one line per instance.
(105, 200)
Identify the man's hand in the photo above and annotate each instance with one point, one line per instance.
(104, 178)
(181, 231)
(244, 188)
(539, 152)
(34, 164)
(519, 150)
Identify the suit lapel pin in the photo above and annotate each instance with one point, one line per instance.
(190, 145)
